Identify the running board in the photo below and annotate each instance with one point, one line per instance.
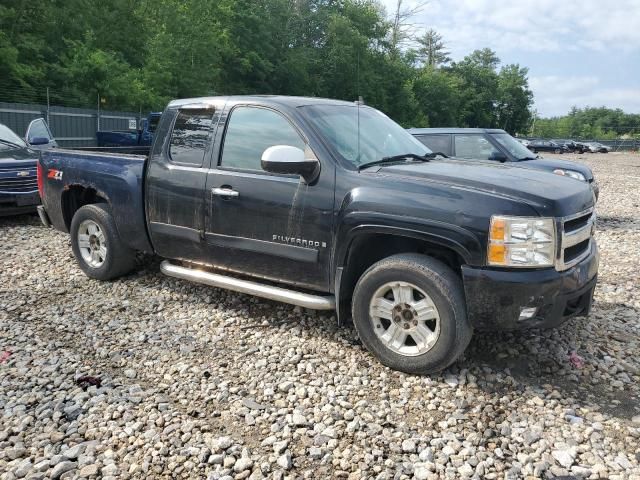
(306, 300)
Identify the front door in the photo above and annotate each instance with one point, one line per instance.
(263, 224)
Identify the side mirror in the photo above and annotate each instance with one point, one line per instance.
(39, 141)
(288, 160)
(498, 156)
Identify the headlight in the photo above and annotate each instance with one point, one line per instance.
(521, 242)
(570, 173)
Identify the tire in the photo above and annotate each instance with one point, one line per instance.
(450, 331)
(100, 254)
(557, 150)
(534, 150)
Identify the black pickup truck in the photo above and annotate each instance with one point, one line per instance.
(331, 205)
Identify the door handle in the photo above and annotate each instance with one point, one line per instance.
(224, 192)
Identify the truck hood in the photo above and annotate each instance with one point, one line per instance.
(549, 194)
(553, 163)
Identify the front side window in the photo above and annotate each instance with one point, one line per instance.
(190, 136)
(250, 131)
(515, 148)
(475, 147)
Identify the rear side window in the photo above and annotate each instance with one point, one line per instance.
(474, 146)
(190, 136)
(251, 130)
(437, 143)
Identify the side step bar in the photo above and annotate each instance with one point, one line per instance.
(315, 302)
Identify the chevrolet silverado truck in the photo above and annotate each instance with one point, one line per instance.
(331, 205)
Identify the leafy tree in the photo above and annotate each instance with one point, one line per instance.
(513, 99)
(432, 51)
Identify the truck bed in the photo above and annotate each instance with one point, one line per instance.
(71, 176)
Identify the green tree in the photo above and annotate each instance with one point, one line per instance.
(432, 52)
(513, 99)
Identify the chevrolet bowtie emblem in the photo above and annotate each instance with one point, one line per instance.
(23, 173)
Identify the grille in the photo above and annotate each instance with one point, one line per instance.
(11, 182)
(577, 232)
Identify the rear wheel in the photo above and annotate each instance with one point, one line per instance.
(409, 311)
(557, 150)
(95, 242)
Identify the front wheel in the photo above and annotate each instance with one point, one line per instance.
(96, 244)
(409, 311)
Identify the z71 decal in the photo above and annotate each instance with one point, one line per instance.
(55, 174)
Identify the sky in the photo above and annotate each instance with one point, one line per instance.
(579, 52)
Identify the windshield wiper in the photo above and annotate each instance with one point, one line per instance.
(404, 156)
(528, 158)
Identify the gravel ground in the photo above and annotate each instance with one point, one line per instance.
(150, 376)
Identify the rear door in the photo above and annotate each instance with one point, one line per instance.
(263, 224)
(176, 179)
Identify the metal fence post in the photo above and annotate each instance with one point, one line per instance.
(48, 106)
(98, 115)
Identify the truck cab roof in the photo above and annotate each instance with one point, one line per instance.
(275, 100)
(418, 131)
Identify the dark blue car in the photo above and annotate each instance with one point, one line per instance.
(18, 184)
(493, 144)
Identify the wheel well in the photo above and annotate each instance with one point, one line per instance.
(75, 197)
(369, 249)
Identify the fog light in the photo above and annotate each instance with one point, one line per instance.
(527, 312)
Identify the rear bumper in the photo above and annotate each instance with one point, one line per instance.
(495, 298)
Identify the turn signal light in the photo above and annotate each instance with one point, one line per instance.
(497, 254)
(497, 229)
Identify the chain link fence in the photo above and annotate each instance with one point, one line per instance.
(73, 120)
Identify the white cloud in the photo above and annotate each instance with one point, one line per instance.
(532, 25)
(555, 95)
(550, 36)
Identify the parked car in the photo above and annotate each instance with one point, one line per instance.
(570, 145)
(331, 205)
(18, 183)
(596, 147)
(523, 141)
(546, 146)
(497, 145)
(143, 136)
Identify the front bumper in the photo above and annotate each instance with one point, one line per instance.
(495, 298)
(18, 203)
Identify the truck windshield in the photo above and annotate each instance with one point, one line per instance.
(379, 136)
(9, 140)
(514, 147)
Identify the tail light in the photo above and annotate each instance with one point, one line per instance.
(40, 177)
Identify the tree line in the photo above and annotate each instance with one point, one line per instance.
(139, 54)
(589, 123)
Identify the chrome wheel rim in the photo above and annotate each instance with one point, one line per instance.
(404, 318)
(92, 243)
